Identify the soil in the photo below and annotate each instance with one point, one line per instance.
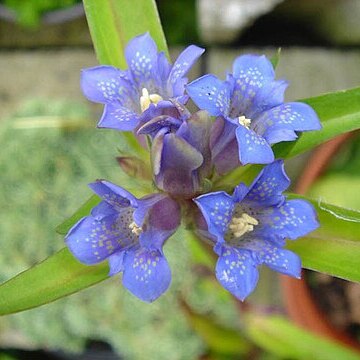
(339, 300)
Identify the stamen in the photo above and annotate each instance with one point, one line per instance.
(244, 121)
(135, 229)
(146, 99)
(243, 224)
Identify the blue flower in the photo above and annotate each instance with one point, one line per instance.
(249, 228)
(252, 104)
(130, 234)
(141, 92)
(180, 153)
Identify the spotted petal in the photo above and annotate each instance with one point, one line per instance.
(267, 188)
(236, 271)
(146, 273)
(253, 149)
(181, 66)
(92, 240)
(119, 118)
(104, 84)
(113, 194)
(253, 69)
(288, 117)
(283, 261)
(217, 209)
(275, 257)
(141, 57)
(251, 73)
(211, 94)
(293, 219)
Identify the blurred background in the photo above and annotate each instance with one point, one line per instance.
(50, 150)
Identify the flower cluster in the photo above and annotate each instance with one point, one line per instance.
(237, 122)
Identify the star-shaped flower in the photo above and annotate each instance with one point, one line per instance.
(252, 104)
(130, 233)
(141, 92)
(249, 228)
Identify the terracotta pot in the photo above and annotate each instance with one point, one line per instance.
(298, 299)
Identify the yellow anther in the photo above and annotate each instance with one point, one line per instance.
(135, 229)
(243, 224)
(244, 121)
(146, 99)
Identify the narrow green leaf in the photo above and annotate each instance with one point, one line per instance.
(219, 339)
(113, 23)
(338, 258)
(57, 276)
(280, 337)
(334, 248)
(276, 58)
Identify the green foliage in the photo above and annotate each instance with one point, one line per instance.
(29, 12)
(283, 339)
(334, 248)
(179, 21)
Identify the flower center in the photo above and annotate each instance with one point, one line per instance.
(137, 230)
(244, 121)
(243, 224)
(146, 99)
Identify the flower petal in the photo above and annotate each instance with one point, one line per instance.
(141, 57)
(179, 159)
(147, 273)
(181, 66)
(283, 261)
(293, 219)
(268, 96)
(105, 84)
(217, 209)
(289, 116)
(275, 257)
(113, 194)
(250, 73)
(236, 271)
(116, 262)
(119, 118)
(253, 149)
(211, 94)
(92, 241)
(253, 70)
(267, 188)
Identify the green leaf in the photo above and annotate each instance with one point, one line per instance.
(219, 339)
(280, 337)
(334, 248)
(113, 23)
(57, 276)
(339, 113)
(276, 58)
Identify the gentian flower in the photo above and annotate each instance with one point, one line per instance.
(249, 228)
(250, 104)
(144, 90)
(180, 153)
(129, 233)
